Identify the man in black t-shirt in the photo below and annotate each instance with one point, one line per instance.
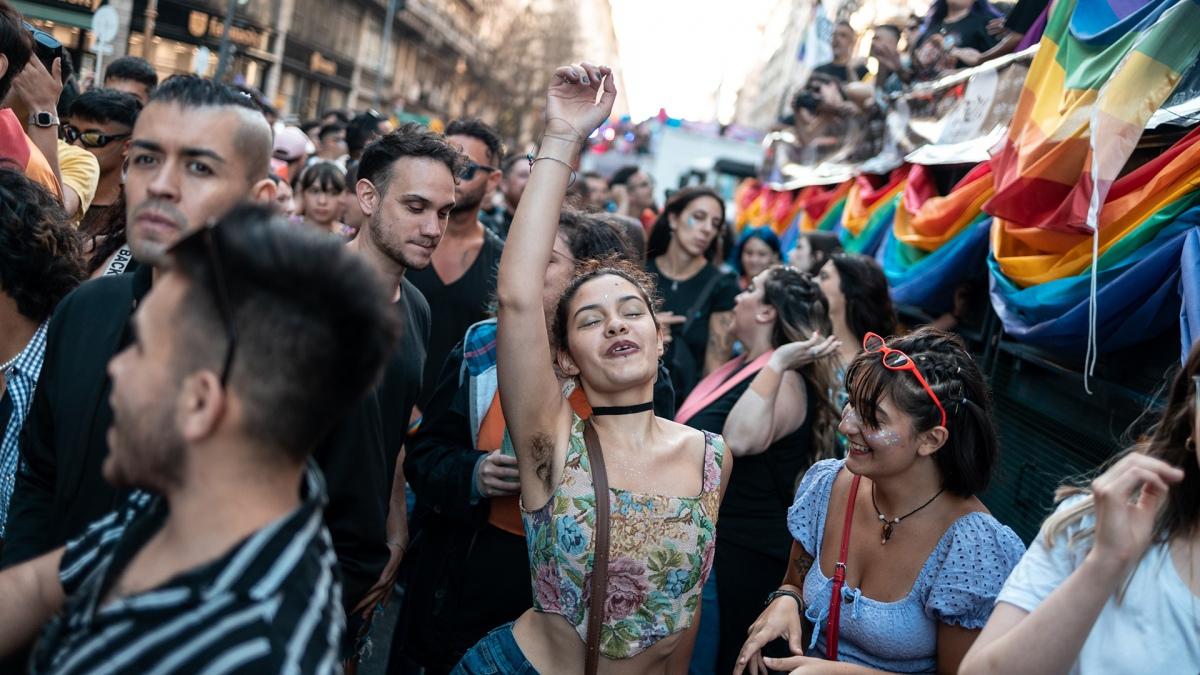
(461, 276)
(841, 69)
(406, 189)
(953, 41)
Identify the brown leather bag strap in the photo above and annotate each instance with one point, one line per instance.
(600, 558)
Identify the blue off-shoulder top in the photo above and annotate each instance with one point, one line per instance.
(957, 585)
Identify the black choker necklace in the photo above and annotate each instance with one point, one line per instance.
(622, 409)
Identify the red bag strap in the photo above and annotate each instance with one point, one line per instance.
(839, 578)
(600, 558)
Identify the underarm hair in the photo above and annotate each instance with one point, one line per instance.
(542, 449)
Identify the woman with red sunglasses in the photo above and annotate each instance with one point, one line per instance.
(894, 532)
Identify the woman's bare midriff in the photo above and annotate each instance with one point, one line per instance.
(553, 646)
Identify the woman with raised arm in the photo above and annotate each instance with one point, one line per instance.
(773, 406)
(896, 563)
(1112, 582)
(660, 480)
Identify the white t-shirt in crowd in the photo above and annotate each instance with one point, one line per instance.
(1154, 629)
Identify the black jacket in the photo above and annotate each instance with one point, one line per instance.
(59, 489)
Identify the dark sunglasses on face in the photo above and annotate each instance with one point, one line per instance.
(90, 139)
(469, 172)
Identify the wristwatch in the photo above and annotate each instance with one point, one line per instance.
(44, 119)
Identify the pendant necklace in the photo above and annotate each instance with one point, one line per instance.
(889, 524)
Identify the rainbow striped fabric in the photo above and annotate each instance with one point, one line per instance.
(1103, 68)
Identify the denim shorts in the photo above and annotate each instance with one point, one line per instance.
(496, 654)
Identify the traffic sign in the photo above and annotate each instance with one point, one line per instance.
(200, 60)
(104, 24)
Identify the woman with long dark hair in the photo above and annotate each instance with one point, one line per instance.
(896, 563)
(697, 297)
(859, 301)
(773, 406)
(1112, 582)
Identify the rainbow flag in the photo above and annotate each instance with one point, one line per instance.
(1103, 68)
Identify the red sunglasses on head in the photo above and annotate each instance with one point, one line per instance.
(894, 359)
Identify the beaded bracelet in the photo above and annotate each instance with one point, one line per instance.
(781, 592)
(533, 161)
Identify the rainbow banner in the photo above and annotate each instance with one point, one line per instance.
(1101, 71)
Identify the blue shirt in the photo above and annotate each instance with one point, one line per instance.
(22, 380)
(957, 585)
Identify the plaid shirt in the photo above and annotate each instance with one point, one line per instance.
(22, 380)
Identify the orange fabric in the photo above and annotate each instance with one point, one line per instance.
(940, 219)
(506, 511)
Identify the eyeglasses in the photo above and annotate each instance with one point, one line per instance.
(90, 139)
(469, 172)
(207, 237)
(894, 359)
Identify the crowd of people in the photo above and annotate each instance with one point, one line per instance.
(257, 378)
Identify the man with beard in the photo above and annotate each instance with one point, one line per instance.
(219, 561)
(406, 191)
(462, 274)
(199, 148)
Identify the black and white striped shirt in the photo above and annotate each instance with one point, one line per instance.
(271, 605)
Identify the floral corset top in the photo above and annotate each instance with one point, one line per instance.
(661, 552)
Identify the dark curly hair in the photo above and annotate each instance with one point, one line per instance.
(410, 140)
(611, 265)
(970, 452)
(41, 255)
(660, 232)
(482, 132)
(803, 309)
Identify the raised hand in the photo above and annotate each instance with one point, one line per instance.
(799, 354)
(668, 319)
(1127, 500)
(580, 98)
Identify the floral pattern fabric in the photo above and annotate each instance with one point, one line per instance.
(661, 552)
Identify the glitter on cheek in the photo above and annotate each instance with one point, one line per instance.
(884, 436)
(691, 222)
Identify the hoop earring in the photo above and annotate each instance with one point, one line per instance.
(1190, 444)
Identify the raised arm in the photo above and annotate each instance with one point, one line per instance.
(538, 416)
(1049, 638)
(775, 405)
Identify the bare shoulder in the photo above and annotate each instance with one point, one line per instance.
(681, 437)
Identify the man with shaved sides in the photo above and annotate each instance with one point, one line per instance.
(198, 148)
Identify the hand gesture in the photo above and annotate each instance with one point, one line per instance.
(668, 319)
(571, 102)
(781, 619)
(966, 56)
(1127, 500)
(887, 56)
(996, 28)
(38, 88)
(796, 355)
(497, 475)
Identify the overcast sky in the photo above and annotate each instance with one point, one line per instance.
(675, 53)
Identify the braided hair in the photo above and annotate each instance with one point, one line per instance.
(967, 457)
(803, 309)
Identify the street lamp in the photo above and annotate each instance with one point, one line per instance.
(389, 18)
(226, 48)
